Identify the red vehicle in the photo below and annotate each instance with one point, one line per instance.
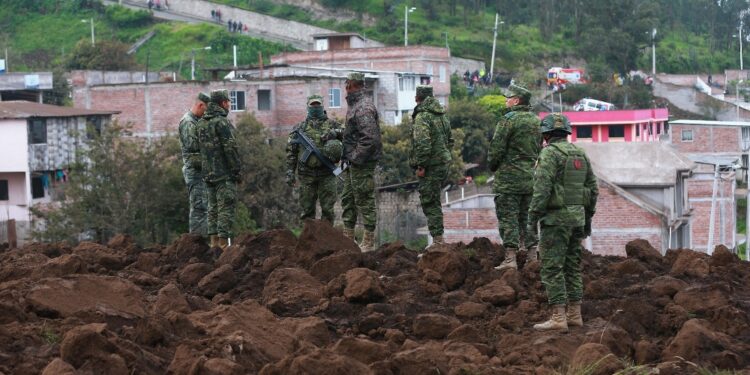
(564, 76)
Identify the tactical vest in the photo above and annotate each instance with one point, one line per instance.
(570, 190)
(314, 134)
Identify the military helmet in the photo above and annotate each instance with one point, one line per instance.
(556, 121)
(219, 96)
(519, 91)
(333, 150)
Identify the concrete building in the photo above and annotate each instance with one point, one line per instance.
(639, 125)
(39, 143)
(647, 190)
(29, 86)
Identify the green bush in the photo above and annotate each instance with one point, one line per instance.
(121, 16)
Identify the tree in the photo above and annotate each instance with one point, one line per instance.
(60, 93)
(120, 185)
(105, 55)
(477, 125)
(264, 198)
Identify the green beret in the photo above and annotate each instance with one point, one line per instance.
(519, 91)
(204, 97)
(218, 96)
(314, 98)
(356, 76)
(424, 91)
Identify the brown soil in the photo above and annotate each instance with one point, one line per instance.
(274, 304)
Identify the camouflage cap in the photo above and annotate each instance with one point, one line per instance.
(204, 97)
(519, 91)
(424, 91)
(314, 98)
(218, 96)
(356, 76)
(556, 121)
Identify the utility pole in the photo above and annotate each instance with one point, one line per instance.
(653, 53)
(93, 39)
(494, 43)
(407, 10)
(740, 34)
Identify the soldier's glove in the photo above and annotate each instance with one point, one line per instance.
(420, 172)
(290, 178)
(329, 135)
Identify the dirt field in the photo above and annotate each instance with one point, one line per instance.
(275, 304)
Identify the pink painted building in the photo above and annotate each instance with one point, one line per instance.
(638, 125)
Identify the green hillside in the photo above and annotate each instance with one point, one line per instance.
(43, 34)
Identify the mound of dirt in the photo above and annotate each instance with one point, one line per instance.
(276, 304)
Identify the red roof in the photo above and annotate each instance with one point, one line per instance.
(633, 116)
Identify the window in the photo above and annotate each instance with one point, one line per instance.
(4, 190)
(264, 100)
(37, 131)
(429, 70)
(238, 100)
(424, 80)
(407, 84)
(442, 73)
(37, 187)
(93, 127)
(334, 98)
(617, 131)
(583, 132)
(687, 135)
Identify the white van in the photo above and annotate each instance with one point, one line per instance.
(588, 105)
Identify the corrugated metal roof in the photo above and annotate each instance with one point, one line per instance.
(23, 109)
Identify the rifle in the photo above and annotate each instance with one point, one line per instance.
(310, 149)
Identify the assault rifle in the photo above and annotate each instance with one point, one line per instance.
(310, 149)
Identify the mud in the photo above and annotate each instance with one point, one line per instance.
(275, 304)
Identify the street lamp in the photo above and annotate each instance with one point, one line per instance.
(446, 39)
(407, 10)
(739, 37)
(93, 41)
(653, 53)
(192, 62)
(494, 43)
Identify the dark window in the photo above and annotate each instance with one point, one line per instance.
(583, 132)
(93, 127)
(666, 127)
(3, 190)
(264, 100)
(37, 187)
(37, 131)
(617, 131)
(687, 135)
(238, 100)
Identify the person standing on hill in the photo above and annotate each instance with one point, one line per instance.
(191, 169)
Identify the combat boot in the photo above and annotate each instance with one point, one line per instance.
(509, 262)
(532, 254)
(214, 241)
(574, 317)
(558, 321)
(349, 233)
(222, 243)
(368, 242)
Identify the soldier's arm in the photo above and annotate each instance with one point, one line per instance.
(593, 189)
(369, 138)
(229, 145)
(544, 176)
(292, 152)
(422, 141)
(498, 145)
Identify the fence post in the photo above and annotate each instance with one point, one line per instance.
(12, 240)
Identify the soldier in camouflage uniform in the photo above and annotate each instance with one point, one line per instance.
(317, 182)
(430, 156)
(564, 201)
(513, 152)
(191, 168)
(221, 167)
(362, 150)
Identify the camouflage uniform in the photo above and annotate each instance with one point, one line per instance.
(191, 171)
(362, 149)
(564, 200)
(513, 152)
(317, 182)
(431, 142)
(220, 164)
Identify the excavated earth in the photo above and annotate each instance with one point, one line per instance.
(277, 304)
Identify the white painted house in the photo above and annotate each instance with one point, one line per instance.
(38, 142)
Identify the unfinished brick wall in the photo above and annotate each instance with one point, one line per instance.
(707, 139)
(700, 191)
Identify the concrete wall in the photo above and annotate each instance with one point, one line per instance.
(96, 77)
(459, 65)
(689, 99)
(14, 145)
(17, 81)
